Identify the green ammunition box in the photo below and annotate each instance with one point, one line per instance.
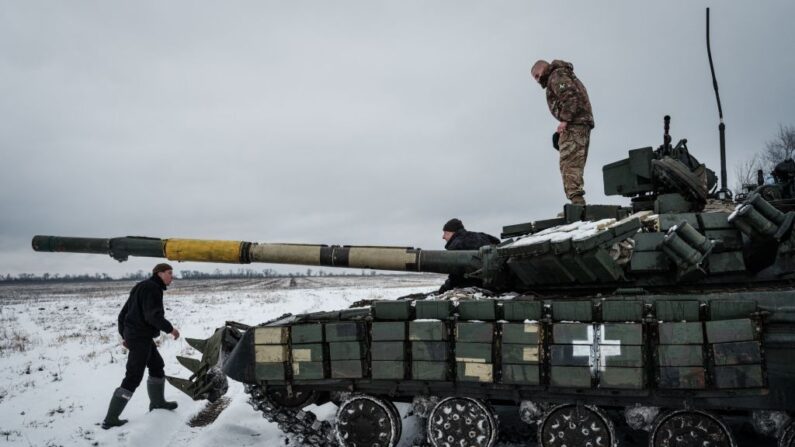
(270, 353)
(681, 333)
(570, 376)
(621, 356)
(519, 310)
(345, 331)
(715, 221)
(677, 310)
(572, 311)
(724, 331)
(739, 353)
(473, 352)
(477, 310)
(680, 355)
(347, 369)
(427, 330)
(541, 225)
(433, 309)
(387, 370)
(271, 335)
(392, 330)
(729, 310)
(347, 350)
(650, 261)
(308, 371)
(429, 370)
(514, 353)
(669, 220)
(520, 374)
(524, 333)
(729, 261)
(671, 203)
(739, 376)
(270, 371)
(572, 333)
(622, 334)
(392, 310)
(312, 352)
(648, 242)
(429, 350)
(475, 372)
(622, 378)
(729, 239)
(474, 332)
(306, 333)
(682, 377)
(570, 355)
(388, 350)
(622, 310)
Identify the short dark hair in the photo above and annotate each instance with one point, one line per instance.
(162, 267)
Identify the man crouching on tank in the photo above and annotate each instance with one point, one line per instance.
(458, 238)
(140, 320)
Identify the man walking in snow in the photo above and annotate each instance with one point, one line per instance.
(458, 238)
(568, 101)
(140, 320)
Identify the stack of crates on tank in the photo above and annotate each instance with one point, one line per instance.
(620, 357)
(271, 353)
(388, 335)
(680, 349)
(521, 342)
(474, 339)
(306, 343)
(347, 348)
(429, 335)
(571, 351)
(733, 340)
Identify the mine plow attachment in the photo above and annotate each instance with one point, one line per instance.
(207, 380)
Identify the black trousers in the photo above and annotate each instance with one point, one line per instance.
(143, 354)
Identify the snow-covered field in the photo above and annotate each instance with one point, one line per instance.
(60, 357)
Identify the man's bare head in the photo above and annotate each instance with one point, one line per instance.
(538, 69)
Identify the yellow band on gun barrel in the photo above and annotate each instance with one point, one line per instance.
(203, 250)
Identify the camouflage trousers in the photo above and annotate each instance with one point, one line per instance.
(573, 146)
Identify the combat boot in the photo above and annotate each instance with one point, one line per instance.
(117, 404)
(155, 386)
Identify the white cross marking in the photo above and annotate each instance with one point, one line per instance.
(586, 348)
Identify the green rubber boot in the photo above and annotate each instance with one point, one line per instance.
(117, 404)
(155, 386)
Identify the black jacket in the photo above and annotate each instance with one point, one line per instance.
(466, 240)
(142, 315)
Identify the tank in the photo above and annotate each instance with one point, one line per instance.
(670, 320)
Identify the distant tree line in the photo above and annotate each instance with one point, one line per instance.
(183, 274)
(780, 148)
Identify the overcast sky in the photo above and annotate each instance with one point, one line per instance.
(349, 122)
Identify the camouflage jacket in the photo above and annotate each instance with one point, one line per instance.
(566, 96)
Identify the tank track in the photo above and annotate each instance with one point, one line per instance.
(302, 426)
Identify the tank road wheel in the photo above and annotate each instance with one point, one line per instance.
(279, 397)
(690, 428)
(462, 421)
(571, 425)
(368, 421)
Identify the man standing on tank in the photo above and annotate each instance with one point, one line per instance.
(568, 101)
(140, 320)
(458, 238)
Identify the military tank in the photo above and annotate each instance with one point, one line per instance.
(673, 316)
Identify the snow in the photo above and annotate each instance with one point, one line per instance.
(575, 231)
(60, 357)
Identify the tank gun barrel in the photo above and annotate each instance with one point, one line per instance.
(242, 252)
